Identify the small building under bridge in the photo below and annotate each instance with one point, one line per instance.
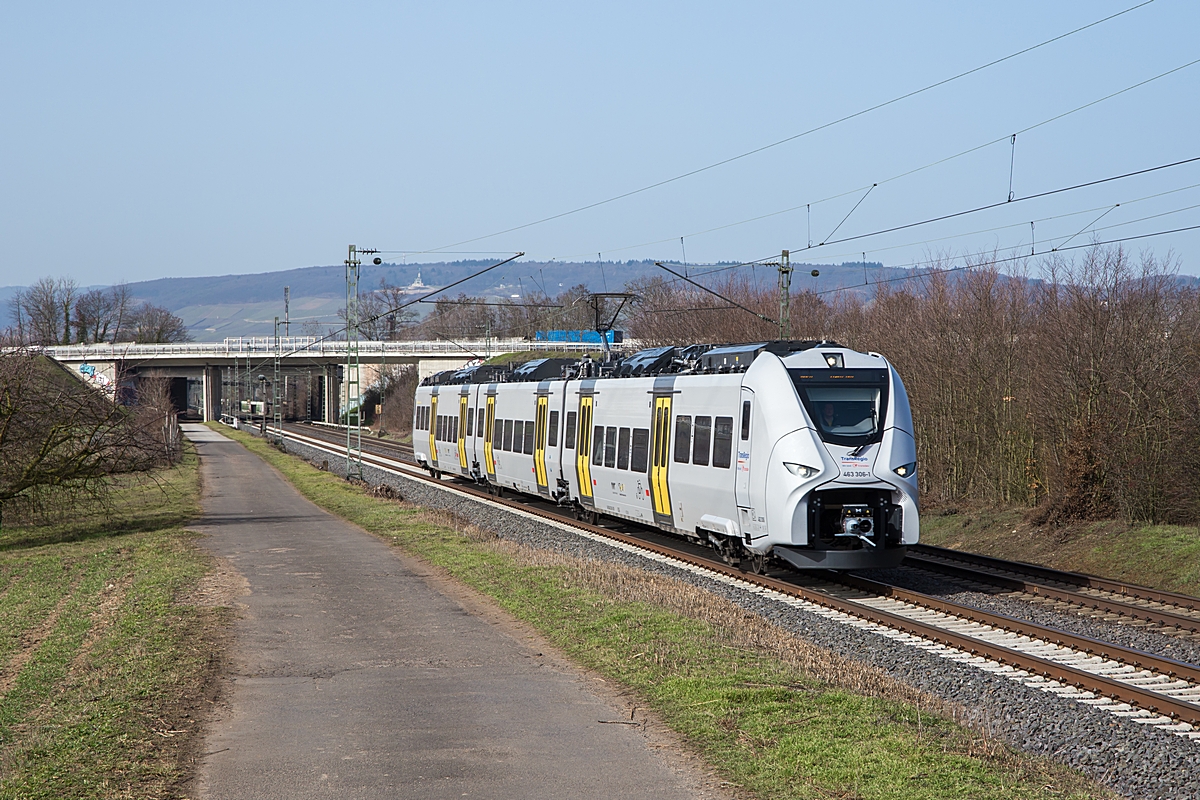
(208, 380)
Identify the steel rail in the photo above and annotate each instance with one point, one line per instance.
(1074, 578)
(1165, 618)
(1083, 680)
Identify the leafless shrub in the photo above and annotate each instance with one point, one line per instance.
(385, 492)
(156, 419)
(62, 440)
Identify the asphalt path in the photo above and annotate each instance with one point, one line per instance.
(357, 673)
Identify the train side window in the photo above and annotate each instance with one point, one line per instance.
(641, 449)
(745, 420)
(723, 442)
(569, 437)
(552, 433)
(623, 448)
(454, 429)
(480, 426)
(529, 442)
(683, 438)
(598, 445)
(470, 422)
(423, 418)
(610, 447)
(508, 435)
(703, 441)
(518, 442)
(437, 434)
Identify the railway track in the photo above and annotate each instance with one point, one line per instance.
(1114, 601)
(1146, 687)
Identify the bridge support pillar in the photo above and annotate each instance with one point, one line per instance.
(212, 394)
(333, 391)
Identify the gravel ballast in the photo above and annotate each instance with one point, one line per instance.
(1134, 759)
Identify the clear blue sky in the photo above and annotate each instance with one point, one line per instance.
(139, 140)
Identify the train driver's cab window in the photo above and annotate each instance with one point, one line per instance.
(847, 407)
(846, 411)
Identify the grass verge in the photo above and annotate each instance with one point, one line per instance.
(1160, 556)
(102, 671)
(772, 713)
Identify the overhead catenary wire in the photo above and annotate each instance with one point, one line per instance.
(808, 205)
(843, 222)
(989, 206)
(403, 306)
(796, 136)
(1085, 227)
(1123, 203)
(701, 286)
(1033, 252)
(1009, 259)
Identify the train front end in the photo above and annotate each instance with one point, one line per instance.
(840, 484)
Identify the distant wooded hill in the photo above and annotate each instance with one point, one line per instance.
(222, 306)
(217, 307)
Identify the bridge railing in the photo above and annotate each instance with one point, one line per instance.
(302, 346)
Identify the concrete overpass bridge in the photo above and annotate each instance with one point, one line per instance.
(208, 379)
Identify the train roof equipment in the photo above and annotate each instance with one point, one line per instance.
(663, 360)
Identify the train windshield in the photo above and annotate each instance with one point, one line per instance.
(848, 408)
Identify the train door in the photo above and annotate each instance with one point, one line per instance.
(433, 429)
(583, 450)
(489, 460)
(539, 446)
(463, 401)
(741, 479)
(660, 449)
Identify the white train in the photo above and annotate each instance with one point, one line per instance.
(801, 451)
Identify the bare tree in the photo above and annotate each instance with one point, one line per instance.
(379, 314)
(95, 316)
(62, 439)
(122, 301)
(151, 324)
(43, 311)
(157, 420)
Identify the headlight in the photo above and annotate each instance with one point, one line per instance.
(906, 470)
(800, 469)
